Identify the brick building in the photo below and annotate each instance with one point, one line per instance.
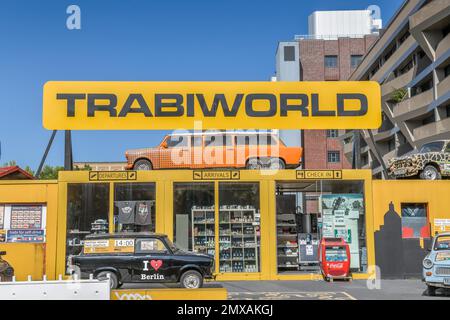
(328, 60)
(325, 57)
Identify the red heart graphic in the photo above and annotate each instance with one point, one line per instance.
(156, 264)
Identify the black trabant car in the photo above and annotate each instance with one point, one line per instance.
(140, 257)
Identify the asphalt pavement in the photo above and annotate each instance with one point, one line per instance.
(411, 289)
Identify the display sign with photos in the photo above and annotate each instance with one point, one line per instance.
(22, 223)
(108, 246)
(26, 236)
(26, 217)
(340, 215)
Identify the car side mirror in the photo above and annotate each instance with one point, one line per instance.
(429, 248)
(164, 145)
(2, 253)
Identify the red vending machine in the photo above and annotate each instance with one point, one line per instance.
(334, 257)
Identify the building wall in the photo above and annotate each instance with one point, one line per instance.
(312, 60)
(287, 70)
(34, 259)
(412, 56)
(383, 200)
(395, 255)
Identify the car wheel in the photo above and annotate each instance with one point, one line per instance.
(112, 278)
(430, 173)
(431, 291)
(254, 164)
(191, 280)
(142, 164)
(276, 164)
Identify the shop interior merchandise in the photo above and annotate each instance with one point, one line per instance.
(237, 236)
(306, 211)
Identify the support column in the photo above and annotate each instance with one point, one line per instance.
(68, 159)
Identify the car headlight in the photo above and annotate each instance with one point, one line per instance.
(427, 263)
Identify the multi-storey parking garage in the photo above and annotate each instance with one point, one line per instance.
(411, 61)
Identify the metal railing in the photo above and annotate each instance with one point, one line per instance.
(329, 36)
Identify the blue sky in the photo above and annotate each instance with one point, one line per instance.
(134, 40)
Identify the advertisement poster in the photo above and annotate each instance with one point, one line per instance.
(340, 214)
(26, 236)
(441, 225)
(26, 217)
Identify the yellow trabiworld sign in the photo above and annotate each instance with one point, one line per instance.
(211, 105)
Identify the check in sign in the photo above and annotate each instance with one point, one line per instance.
(319, 174)
(211, 105)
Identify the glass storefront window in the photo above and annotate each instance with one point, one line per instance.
(307, 211)
(87, 212)
(239, 227)
(194, 223)
(134, 207)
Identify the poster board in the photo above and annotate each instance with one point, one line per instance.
(23, 223)
(340, 215)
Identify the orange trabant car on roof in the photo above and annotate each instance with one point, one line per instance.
(251, 150)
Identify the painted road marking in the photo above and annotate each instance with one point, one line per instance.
(297, 295)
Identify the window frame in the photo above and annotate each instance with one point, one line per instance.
(333, 152)
(358, 57)
(288, 56)
(327, 60)
(139, 240)
(188, 141)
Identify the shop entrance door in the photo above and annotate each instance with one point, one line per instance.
(307, 210)
(221, 219)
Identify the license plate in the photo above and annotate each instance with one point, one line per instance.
(400, 171)
(447, 281)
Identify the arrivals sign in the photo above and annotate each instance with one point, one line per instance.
(70, 105)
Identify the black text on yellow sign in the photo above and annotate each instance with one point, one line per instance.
(211, 105)
(216, 175)
(319, 174)
(112, 175)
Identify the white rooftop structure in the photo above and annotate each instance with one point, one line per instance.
(343, 23)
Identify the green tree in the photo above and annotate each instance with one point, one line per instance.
(29, 170)
(11, 163)
(86, 167)
(50, 173)
(398, 95)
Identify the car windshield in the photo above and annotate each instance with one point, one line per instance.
(432, 147)
(171, 245)
(442, 243)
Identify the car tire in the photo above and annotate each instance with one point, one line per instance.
(253, 164)
(103, 275)
(430, 173)
(431, 291)
(142, 164)
(191, 279)
(276, 164)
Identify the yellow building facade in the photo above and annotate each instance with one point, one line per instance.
(259, 225)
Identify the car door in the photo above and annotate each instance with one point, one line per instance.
(215, 151)
(177, 153)
(152, 261)
(197, 156)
